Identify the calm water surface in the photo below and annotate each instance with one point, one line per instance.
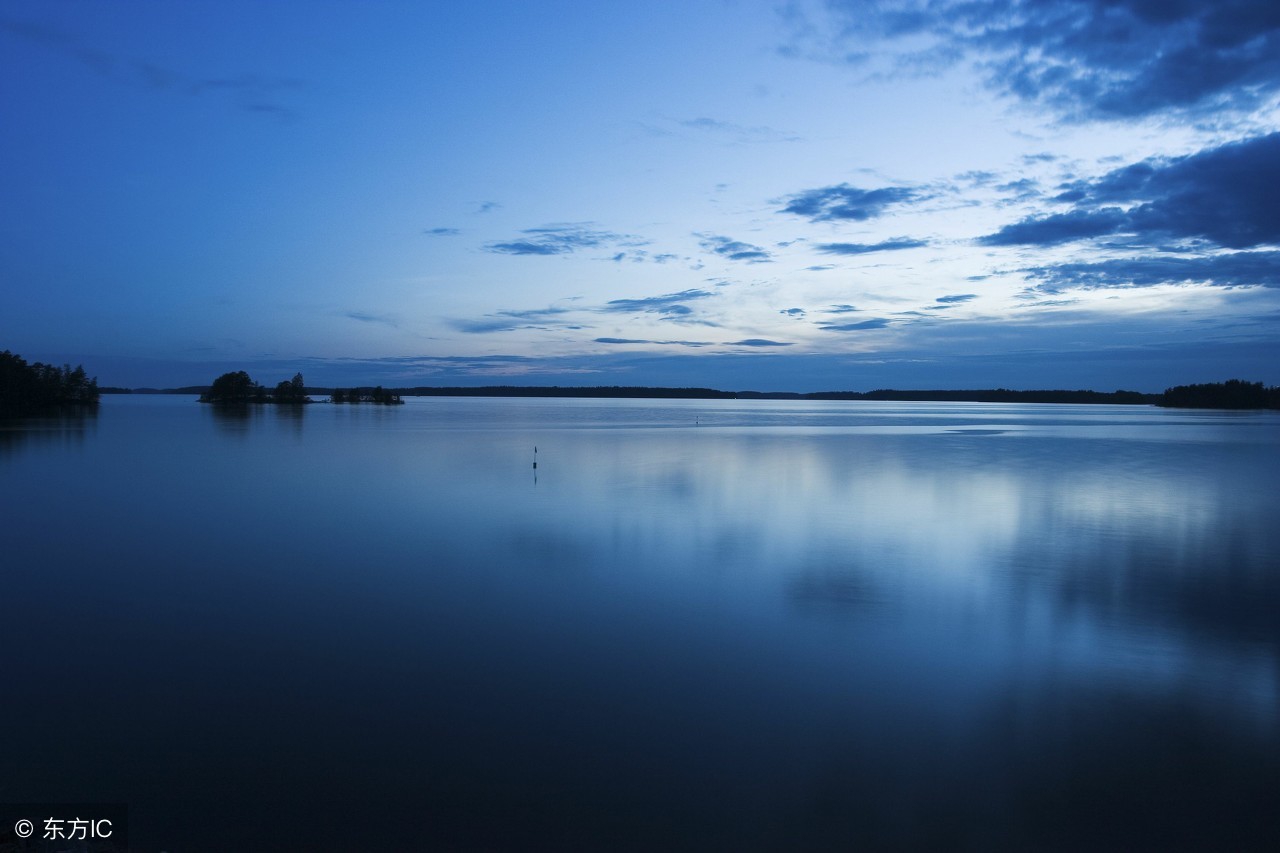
(696, 625)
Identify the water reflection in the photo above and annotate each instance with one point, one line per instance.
(238, 419)
(64, 429)
(231, 418)
(997, 628)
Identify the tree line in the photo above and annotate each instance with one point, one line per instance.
(377, 394)
(1232, 394)
(33, 388)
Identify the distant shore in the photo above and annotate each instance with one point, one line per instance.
(1233, 394)
(997, 395)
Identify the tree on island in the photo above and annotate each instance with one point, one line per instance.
(291, 391)
(31, 388)
(386, 398)
(238, 387)
(234, 387)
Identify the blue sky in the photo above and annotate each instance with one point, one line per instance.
(773, 196)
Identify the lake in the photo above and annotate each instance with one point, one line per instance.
(694, 625)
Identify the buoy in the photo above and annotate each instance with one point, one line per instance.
(535, 456)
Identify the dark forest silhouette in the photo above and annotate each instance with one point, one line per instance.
(27, 389)
(997, 395)
(1232, 394)
(377, 394)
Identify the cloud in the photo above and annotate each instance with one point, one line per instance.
(669, 306)
(735, 250)
(1090, 59)
(736, 133)
(364, 317)
(750, 342)
(527, 247)
(256, 92)
(1232, 269)
(866, 248)
(658, 304)
(637, 256)
(652, 343)
(843, 202)
(562, 240)
(758, 342)
(1022, 189)
(507, 321)
(956, 299)
(1223, 195)
(878, 323)
(793, 312)
(1059, 228)
(843, 309)
(442, 232)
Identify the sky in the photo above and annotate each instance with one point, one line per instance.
(792, 196)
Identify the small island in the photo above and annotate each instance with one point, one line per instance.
(238, 388)
(30, 389)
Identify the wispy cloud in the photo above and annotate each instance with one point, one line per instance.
(1231, 269)
(364, 317)
(749, 342)
(669, 307)
(843, 202)
(671, 303)
(735, 250)
(507, 321)
(895, 245)
(256, 92)
(528, 247)
(563, 240)
(865, 325)
(694, 344)
(637, 256)
(737, 133)
(442, 232)
(759, 342)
